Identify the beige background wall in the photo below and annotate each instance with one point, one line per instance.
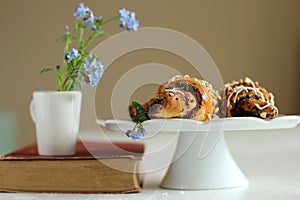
(260, 39)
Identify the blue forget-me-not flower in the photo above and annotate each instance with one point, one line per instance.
(94, 70)
(72, 55)
(128, 20)
(81, 11)
(86, 14)
(138, 132)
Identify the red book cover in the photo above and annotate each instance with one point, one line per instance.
(84, 150)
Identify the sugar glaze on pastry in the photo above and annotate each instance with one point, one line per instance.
(248, 98)
(183, 97)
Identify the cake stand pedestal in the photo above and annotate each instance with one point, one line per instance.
(191, 171)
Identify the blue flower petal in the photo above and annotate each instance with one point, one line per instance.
(81, 11)
(128, 20)
(124, 13)
(136, 134)
(94, 70)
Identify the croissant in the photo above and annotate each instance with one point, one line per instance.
(183, 97)
(247, 98)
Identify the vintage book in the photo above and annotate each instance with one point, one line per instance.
(103, 168)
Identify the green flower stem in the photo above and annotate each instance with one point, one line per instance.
(111, 19)
(67, 79)
(88, 42)
(81, 40)
(105, 22)
(63, 70)
(64, 84)
(64, 67)
(132, 130)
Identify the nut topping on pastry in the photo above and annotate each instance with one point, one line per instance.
(248, 98)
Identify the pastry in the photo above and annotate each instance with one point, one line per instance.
(247, 98)
(182, 97)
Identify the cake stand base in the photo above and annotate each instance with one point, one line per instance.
(192, 171)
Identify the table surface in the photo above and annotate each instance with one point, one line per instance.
(269, 159)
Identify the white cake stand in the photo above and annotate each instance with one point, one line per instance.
(202, 159)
